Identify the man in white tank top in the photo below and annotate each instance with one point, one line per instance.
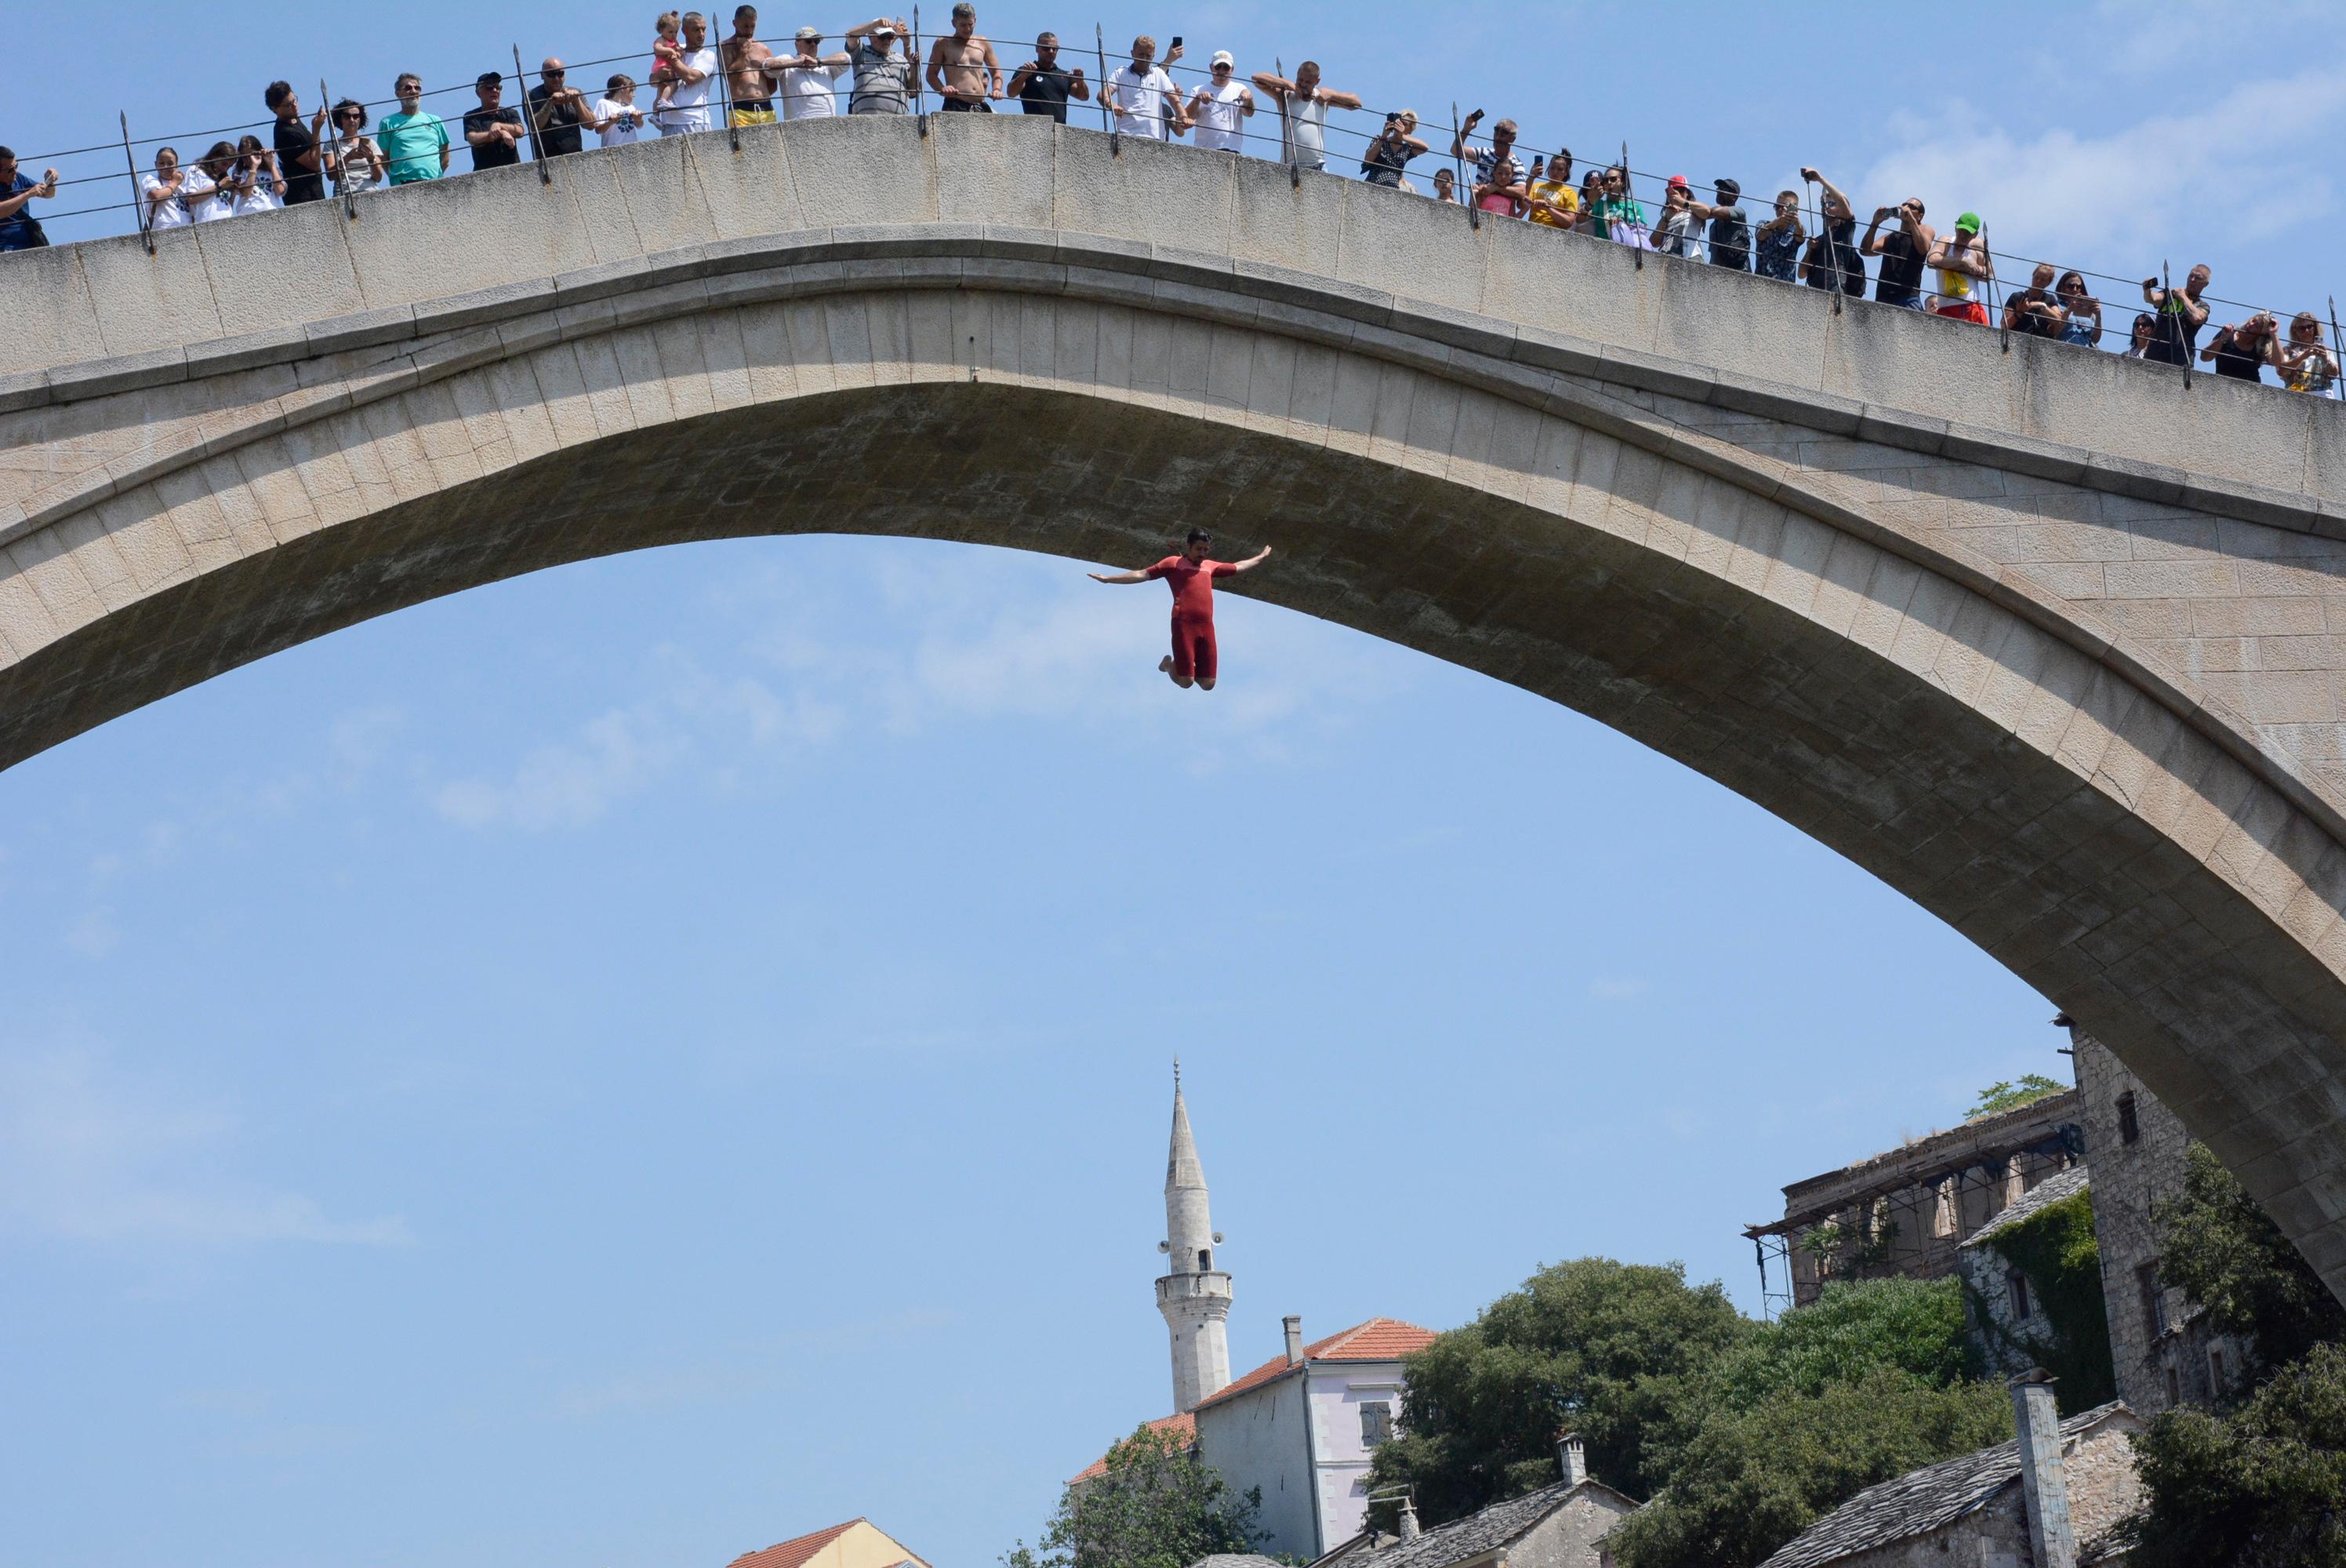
(1219, 108)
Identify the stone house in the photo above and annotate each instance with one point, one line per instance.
(858, 1544)
(1906, 1212)
(2005, 1307)
(2160, 1346)
(1559, 1526)
(2056, 1494)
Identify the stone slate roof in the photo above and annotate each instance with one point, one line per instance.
(2043, 1194)
(1922, 1500)
(1461, 1540)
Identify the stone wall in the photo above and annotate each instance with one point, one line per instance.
(1569, 1537)
(2160, 1347)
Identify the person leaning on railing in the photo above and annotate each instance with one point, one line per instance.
(19, 229)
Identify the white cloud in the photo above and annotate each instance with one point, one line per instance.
(2254, 163)
(91, 1152)
(95, 934)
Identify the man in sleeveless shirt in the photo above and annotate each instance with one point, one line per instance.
(1193, 661)
(1903, 251)
(1964, 267)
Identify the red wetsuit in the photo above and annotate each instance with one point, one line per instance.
(1193, 611)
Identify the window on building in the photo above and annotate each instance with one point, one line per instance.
(1942, 1209)
(2174, 1391)
(1376, 1422)
(1205, 1260)
(2016, 1285)
(2215, 1371)
(2154, 1297)
(2129, 1128)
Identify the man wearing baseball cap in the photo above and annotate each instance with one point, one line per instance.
(1730, 231)
(493, 130)
(807, 80)
(1219, 108)
(883, 74)
(1963, 264)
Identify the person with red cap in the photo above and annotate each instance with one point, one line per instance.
(1191, 576)
(1675, 233)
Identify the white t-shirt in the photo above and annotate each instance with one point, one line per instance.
(1221, 111)
(1141, 100)
(622, 123)
(209, 202)
(688, 107)
(261, 197)
(809, 95)
(170, 214)
(1303, 132)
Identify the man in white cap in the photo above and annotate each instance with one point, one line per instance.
(1218, 107)
(808, 80)
(883, 74)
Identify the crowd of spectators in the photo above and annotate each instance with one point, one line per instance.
(693, 82)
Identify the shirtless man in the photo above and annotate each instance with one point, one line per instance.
(962, 66)
(1191, 577)
(745, 74)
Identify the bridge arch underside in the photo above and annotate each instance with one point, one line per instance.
(2013, 775)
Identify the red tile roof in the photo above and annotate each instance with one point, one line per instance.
(791, 1553)
(1378, 1339)
(1184, 1426)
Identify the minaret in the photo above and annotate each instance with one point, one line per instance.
(1195, 1296)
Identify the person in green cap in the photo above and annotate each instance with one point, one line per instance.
(1962, 264)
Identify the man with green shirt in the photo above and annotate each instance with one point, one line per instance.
(414, 141)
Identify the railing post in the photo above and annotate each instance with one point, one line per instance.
(2337, 362)
(1458, 165)
(2002, 327)
(342, 185)
(1630, 195)
(137, 196)
(725, 92)
(529, 121)
(1108, 115)
(2167, 303)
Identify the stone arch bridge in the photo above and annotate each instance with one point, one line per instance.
(2048, 640)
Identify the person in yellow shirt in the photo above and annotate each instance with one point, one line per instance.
(1553, 200)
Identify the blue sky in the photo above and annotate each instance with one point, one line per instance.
(626, 1065)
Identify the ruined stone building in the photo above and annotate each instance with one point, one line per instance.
(2008, 1307)
(2057, 1493)
(1907, 1211)
(2160, 1347)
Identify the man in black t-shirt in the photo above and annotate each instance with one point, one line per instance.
(297, 144)
(1833, 259)
(559, 111)
(1042, 87)
(494, 131)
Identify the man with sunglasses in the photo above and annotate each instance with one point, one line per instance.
(414, 141)
(493, 130)
(1043, 86)
(1191, 576)
(559, 112)
(1218, 109)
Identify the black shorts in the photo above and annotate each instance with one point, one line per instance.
(963, 107)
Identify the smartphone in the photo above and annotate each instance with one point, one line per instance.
(1177, 40)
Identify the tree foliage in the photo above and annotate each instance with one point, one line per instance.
(1752, 1477)
(1594, 1345)
(2264, 1487)
(1156, 1506)
(2231, 1259)
(2010, 1094)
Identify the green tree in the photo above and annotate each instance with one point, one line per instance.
(2008, 1095)
(1156, 1506)
(1752, 1477)
(1602, 1347)
(2230, 1257)
(2264, 1487)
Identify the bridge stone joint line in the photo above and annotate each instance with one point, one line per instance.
(2085, 700)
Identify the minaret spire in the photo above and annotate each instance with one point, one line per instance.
(1194, 1295)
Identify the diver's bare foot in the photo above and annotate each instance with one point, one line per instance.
(1165, 664)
